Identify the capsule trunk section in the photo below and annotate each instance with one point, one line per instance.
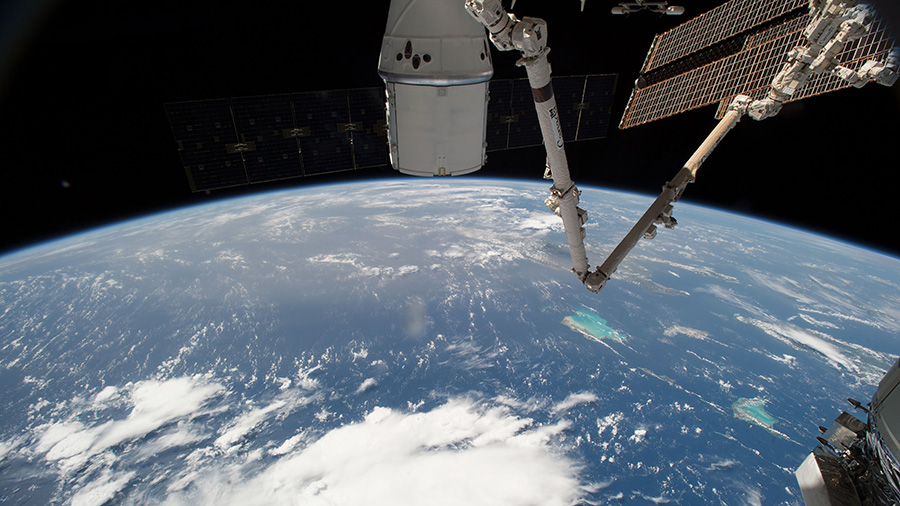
(436, 66)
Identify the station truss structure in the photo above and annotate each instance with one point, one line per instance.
(735, 49)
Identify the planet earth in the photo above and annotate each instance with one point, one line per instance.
(423, 342)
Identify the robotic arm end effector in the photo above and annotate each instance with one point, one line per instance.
(595, 281)
(885, 73)
(499, 23)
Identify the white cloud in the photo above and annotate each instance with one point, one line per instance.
(687, 331)
(71, 443)
(366, 384)
(407, 269)
(6, 448)
(304, 380)
(753, 497)
(181, 435)
(470, 356)
(361, 354)
(540, 222)
(611, 422)
(800, 338)
(573, 400)
(289, 445)
(246, 423)
(654, 500)
(252, 418)
(459, 453)
(722, 465)
(100, 491)
(782, 285)
(819, 323)
(108, 393)
(638, 436)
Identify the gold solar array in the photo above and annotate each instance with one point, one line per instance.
(762, 40)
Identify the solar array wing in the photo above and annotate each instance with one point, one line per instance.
(744, 63)
(204, 130)
(262, 121)
(583, 102)
(569, 91)
(499, 115)
(525, 129)
(714, 26)
(369, 133)
(247, 140)
(595, 108)
(325, 115)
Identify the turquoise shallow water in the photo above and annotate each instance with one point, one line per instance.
(591, 325)
(753, 410)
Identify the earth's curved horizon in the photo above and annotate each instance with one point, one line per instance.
(412, 341)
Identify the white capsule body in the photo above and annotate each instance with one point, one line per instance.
(436, 66)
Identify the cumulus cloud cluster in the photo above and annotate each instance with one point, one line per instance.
(464, 451)
(71, 443)
(459, 453)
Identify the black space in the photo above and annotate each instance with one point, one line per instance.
(85, 140)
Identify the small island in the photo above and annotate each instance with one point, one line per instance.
(754, 411)
(592, 326)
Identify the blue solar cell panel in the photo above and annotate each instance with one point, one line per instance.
(596, 111)
(524, 129)
(568, 92)
(264, 124)
(205, 134)
(324, 114)
(238, 141)
(369, 133)
(499, 114)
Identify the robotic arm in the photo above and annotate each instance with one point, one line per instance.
(835, 23)
(529, 37)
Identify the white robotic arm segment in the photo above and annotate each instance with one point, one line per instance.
(492, 15)
(529, 36)
(660, 211)
(885, 74)
(640, 5)
(766, 108)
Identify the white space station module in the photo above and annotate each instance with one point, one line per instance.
(436, 65)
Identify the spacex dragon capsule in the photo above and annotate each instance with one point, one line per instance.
(436, 65)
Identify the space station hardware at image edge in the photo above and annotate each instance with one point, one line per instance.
(626, 8)
(855, 462)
